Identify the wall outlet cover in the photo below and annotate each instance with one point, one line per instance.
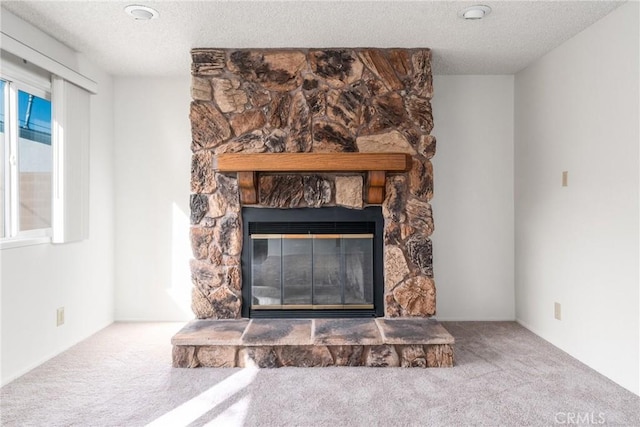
(557, 311)
(60, 317)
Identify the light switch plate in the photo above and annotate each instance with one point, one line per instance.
(557, 311)
(565, 178)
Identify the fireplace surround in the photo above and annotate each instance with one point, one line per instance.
(314, 125)
(311, 101)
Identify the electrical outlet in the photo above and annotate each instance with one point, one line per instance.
(565, 178)
(557, 311)
(60, 317)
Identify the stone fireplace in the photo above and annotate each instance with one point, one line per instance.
(314, 129)
(311, 101)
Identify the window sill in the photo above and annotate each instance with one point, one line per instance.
(23, 241)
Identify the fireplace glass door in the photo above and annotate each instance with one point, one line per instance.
(312, 271)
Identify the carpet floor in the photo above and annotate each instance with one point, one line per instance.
(504, 375)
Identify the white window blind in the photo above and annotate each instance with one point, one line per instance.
(71, 120)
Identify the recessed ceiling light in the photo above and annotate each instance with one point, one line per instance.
(474, 12)
(141, 13)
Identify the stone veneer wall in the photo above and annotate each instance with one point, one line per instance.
(311, 100)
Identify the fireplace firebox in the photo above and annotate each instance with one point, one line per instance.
(312, 262)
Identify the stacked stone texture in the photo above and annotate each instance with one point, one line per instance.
(228, 356)
(311, 100)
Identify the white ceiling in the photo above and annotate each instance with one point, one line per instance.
(510, 38)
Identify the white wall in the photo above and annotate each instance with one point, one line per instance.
(473, 197)
(38, 279)
(577, 111)
(153, 158)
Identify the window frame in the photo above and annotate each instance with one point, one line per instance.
(17, 79)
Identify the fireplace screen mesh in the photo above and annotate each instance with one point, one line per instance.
(312, 271)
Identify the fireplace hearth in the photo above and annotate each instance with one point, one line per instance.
(309, 263)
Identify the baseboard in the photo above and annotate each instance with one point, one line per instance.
(528, 327)
(475, 319)
(45, 359)
(138, 320)
(539, 335)
(438, 318)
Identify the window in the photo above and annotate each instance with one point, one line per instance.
(44, 144)
(27, 156)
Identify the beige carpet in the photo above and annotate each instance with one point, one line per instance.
(504, 375)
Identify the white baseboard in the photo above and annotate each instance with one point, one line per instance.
(139, 320)
(50, 356)
(475, 319)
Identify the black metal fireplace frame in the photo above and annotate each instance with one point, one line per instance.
(371, 214)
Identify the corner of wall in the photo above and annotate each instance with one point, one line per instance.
(578, 245)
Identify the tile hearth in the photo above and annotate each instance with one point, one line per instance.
(272, 343)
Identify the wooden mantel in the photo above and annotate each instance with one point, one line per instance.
(376, 165)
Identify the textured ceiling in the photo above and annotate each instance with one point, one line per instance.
(511, 37)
